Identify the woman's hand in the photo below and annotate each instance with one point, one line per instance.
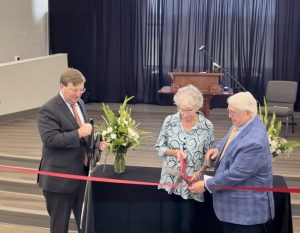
(180, 154)
(195, 176)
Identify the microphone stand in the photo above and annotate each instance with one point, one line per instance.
(202, 48)
(87, 192)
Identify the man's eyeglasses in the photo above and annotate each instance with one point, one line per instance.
(232, 113)
(78, 90)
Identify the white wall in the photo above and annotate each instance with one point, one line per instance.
(23, 29)
(29, 83)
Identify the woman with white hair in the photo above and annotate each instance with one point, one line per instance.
(187, 135)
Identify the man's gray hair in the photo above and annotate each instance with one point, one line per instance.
(244, 101)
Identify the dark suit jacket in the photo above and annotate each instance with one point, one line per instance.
(63, 151)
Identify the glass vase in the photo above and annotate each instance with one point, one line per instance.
(119, 163)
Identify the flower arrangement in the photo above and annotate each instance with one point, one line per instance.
(278, 145)
(120, 132)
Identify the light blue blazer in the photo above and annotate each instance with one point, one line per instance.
(247, 162)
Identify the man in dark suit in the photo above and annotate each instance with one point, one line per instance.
(64, 125)
(243, 159)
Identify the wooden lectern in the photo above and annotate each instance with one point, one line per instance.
(208, 83)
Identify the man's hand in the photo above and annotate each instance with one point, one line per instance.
(85, 130)
(197, 187)
(211, 154)
(102, 145)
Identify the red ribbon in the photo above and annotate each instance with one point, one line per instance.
(78, 177)
(117, 181)
(183, 174)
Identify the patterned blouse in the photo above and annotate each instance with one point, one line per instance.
(195, 143)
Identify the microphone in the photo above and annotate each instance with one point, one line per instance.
(216, 65)
(92, 135)
(202, 47)
(97, 152)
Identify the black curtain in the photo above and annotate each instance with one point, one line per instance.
(286, 60)
(127, 47)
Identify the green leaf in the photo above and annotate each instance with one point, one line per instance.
(120, 132)
(293, 144)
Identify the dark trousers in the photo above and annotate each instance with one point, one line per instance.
(60, 205)
(236, 228)
(178, 214)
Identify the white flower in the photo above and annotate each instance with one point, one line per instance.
(283, 141)
(131, 132)
(121, 131)
(273, 143)
(278, 146)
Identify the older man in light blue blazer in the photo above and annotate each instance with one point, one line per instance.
(243, 159)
